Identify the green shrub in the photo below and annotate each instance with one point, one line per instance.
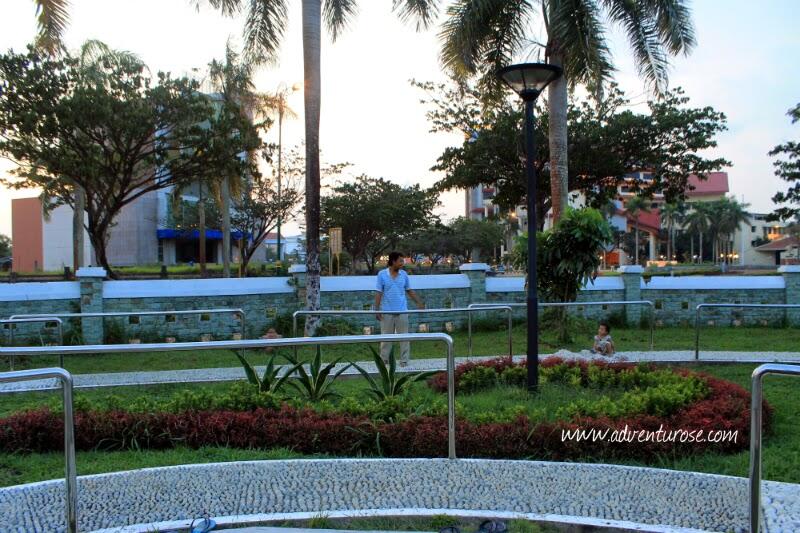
(515, 376)
(114, 332)
(336, 326)
(490, 322)
(478, 378)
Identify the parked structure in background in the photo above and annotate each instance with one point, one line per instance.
(141, 236)
(766, 243)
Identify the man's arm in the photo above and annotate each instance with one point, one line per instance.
(378, 296)
(413, 295)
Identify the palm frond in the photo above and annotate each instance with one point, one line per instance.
(229, 8)
(577, 29)
(423, 12)
(52, 19)
(674, 21)
(264, 27)
(642, 30)
(337, 14)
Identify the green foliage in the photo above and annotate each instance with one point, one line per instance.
(270, 381)
(5, 246)
(515, 376)
(469, 234)
(788, 169)
(114, 331)
(335, 326)
(478, 378)
(316, 384)
(390, 384)
(102, 129)
(376, 215)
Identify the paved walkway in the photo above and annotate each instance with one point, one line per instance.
(203, 375)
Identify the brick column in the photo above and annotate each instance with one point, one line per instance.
(91, 280)
(791, 277)
(476, 272)
(632, 280)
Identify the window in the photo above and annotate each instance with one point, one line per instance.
(133, 319)
(752, 229)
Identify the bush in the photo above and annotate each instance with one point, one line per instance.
(479, 378)
(113, 332)
(336, 326)
(515, 376)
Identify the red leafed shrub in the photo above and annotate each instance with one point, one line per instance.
(726, 407)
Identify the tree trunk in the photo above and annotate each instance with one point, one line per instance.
(691, 245)
(226, 227)
(201, 222)
(636, 247)
(701, 248)
(77, 228)
(312, 96)
(98, 238)
(557, 107)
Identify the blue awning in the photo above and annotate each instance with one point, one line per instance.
(211, 234)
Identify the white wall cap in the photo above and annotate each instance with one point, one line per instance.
(297, 269)
(631, 269)
(789, 269)
(483, 267)
(91, 272)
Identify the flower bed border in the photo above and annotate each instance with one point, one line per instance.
(727, 407)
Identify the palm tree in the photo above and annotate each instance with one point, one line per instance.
(52, 19)
(672, 214)
(697, 222)
(734, 214)
(481, 36)
(635, 207)
(279, 104)
(265, 24)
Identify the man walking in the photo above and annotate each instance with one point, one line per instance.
(391, 289)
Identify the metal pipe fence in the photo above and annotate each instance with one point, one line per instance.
(71, 480)
(271, 343)
(467, 310)
(756, 400)
(13, 321)
(200, 312)
(647, 303)
(729, 306)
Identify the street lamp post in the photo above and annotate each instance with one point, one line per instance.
(528, 80)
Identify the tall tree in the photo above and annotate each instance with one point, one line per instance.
(697, 222)
(725, 216)
(481, 36)
(787, 168)
(116, 140)
(672, 215)
(635, 207)
(5, 245)
(265, 24)
(376, 215)
(471, 235)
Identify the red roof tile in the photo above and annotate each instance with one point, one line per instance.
(779, 245)
(715, 183)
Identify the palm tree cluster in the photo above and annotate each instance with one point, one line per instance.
(718, 220)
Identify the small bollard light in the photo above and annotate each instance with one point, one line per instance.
(367, 330)
(205, 337)
(169, 340)
(449, 327)
(423, 328)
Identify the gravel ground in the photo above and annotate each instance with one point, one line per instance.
(261, 489)
(236, 373)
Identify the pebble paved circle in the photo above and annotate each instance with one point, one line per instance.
(247, 491)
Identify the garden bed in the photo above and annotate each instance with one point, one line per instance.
(496, 417)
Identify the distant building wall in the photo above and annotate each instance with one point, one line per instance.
(57, 239)
(26, 234)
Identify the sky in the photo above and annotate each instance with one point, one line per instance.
(745, 65)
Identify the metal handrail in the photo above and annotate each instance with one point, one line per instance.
(272, 343)
(743, 306)
(467, 310)
(12, 321)
(240, 312)
(648, 303)
(756, 400)
(70, 471)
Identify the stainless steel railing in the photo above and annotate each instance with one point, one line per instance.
(647, 303)
(13, 321)
(71, 480)
(201, 312)
(468, 310)
(756, 400)
(271, 343)
(729, 306)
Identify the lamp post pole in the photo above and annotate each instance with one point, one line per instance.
(533, 300)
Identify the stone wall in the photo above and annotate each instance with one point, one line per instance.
(269, 302)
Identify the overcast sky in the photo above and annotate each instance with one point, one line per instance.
(745, 65)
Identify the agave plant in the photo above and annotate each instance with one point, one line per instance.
(391, 384)
(315, 384)
(270, 381)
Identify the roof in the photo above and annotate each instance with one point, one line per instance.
(716, 183)
(779, 245)
(648, 220)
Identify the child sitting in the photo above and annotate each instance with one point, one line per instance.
(602, 341)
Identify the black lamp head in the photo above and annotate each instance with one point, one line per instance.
(528, 80)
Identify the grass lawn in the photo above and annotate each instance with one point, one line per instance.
(781, 454)
(484, 343)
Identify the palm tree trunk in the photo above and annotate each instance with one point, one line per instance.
(201, 222)
(226, 227)
(701, 247)
(280, 168)
(557, 108)
(691, 245)
(312, 96)
(77, 228)
(636, 247)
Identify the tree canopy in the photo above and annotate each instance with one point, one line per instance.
(787, 168)
(118, 134)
